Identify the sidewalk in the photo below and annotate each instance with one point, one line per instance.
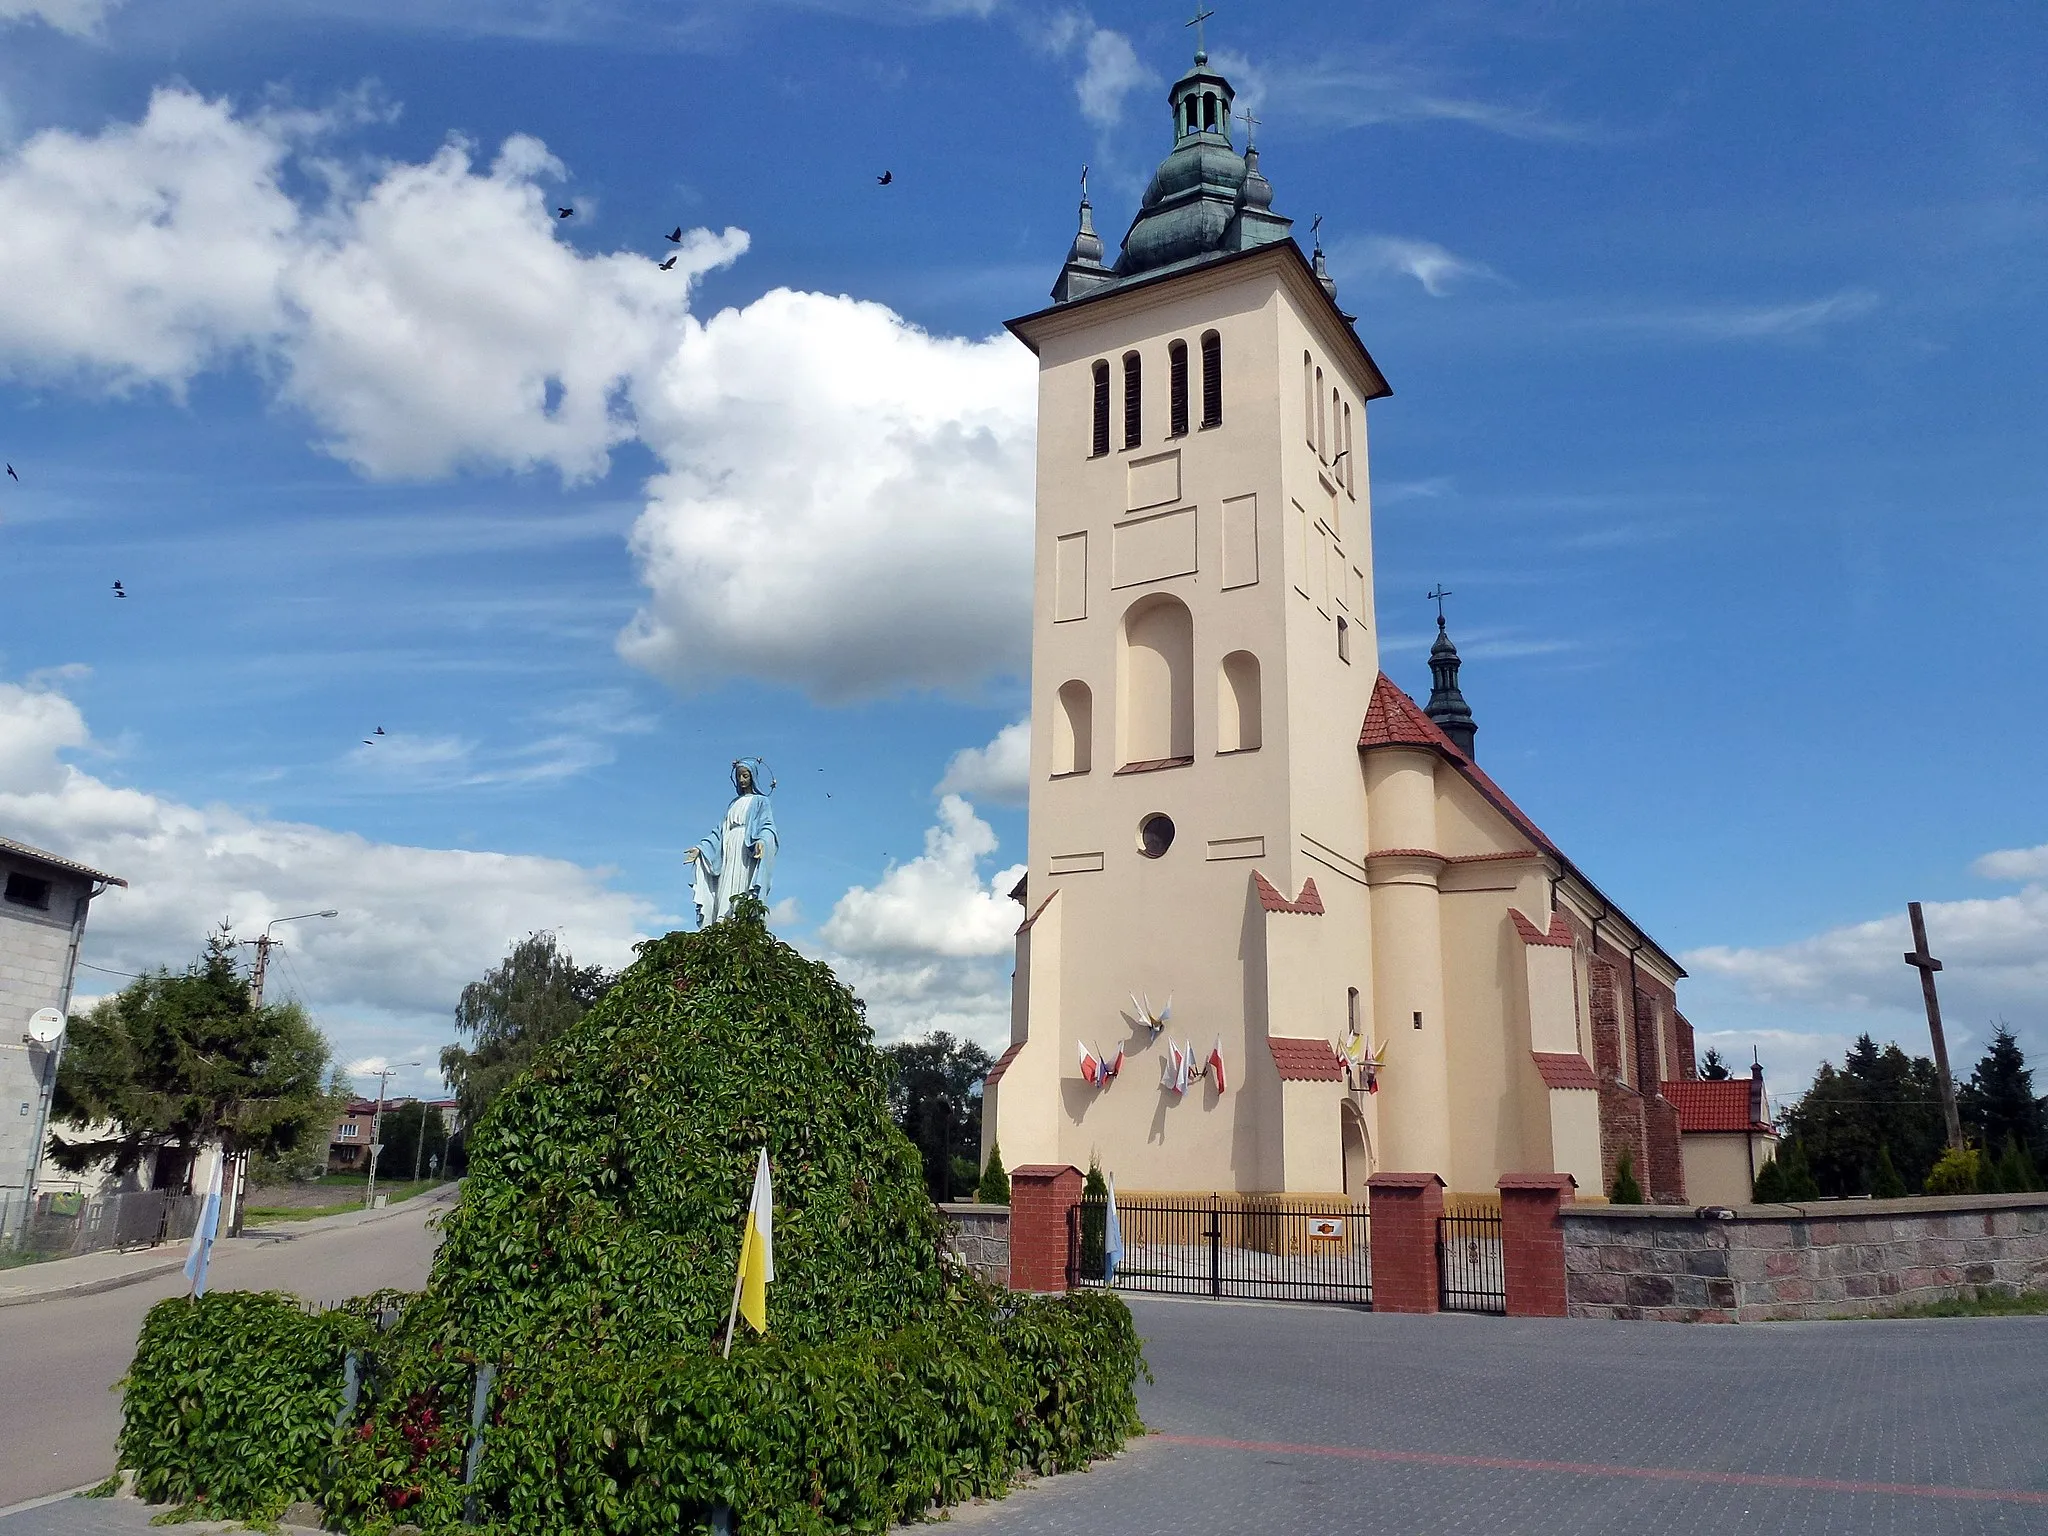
(108, 1270)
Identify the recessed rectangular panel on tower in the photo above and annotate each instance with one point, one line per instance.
(1240, 542)
(1070, 578)
(1153, 548)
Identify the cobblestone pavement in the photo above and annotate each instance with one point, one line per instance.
(1313, 1419)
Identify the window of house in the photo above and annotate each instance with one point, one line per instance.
(1212, 379)
(1177, 388)
(351, 1131)
(1101, 408)
(28, 891)
(1134, 400)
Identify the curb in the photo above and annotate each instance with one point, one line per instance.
(49, 1498)
(259, 1237)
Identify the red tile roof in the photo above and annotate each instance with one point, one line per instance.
(1705, 1106)
(1565, 1069)
(1560, 933)
(1392, 719)
(1309, 902)
(995, 1073)
(1305, 1061)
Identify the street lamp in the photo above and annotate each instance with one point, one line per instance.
(383, 1076)
(264, 944)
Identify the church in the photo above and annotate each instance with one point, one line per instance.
(1281, 931)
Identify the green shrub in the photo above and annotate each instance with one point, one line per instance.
(1625, 1189)
(231, 1401)
(591, 1264)
(1094, 1222)
(1957, 1171)
(1769, 1188)
(994, 1188)
(1885, 1183)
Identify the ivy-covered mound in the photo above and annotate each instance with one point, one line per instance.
(591, 1267)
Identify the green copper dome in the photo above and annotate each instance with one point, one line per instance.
(1205, 198)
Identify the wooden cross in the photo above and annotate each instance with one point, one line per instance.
(1927, 965)
(1200, 16)
(1438, 597)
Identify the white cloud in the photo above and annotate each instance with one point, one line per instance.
(844, 503)
(847, 507)
(1363, 90)
(999, 772)
(1744, 322)
(415, 924)
(1112, 73)
(430, 319)
(81, 18)
(937, 904)
(2013, 864)
(1439, 271)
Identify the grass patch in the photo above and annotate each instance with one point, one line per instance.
(1984, 1303)
(266, 1215)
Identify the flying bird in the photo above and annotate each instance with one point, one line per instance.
(379, 731)
(117, 590)
(675, 236)
(667, 264)
(885, 178)
(563, 213)
(12, 475)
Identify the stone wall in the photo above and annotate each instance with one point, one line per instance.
(979, 1237)
(1833, 1258)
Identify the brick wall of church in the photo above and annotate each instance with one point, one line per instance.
(1634, 1116)
(1688, 1058)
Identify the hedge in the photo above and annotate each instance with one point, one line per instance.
(232, 1402)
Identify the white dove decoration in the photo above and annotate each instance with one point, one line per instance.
(1144, 1015)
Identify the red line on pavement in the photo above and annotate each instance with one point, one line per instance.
(1602, 1469)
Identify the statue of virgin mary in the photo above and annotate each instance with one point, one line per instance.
(740, 855)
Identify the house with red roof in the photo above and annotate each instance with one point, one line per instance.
(1725, 1135)
(1319, 939)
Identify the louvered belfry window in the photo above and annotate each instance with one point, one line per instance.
(1212, 379)
(1134, 400)
(1177, 386)
(1101, 409)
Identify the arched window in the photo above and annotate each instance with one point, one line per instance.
(1308, 398)
(1156, 675)
(1208, 112)
(1073, 729)
(1101, 408)
(1351, 461)
(1177, 387)
(1212, 379)
(1343, 642)
(1322, 434)
(1237, 703)
(1134, 399)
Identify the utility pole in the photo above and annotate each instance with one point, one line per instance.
(235, 1181)
(383, 1077)
(1927, 965)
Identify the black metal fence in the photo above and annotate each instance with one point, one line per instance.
(1470, 1272)
(1223, 1245)
(63, 1225)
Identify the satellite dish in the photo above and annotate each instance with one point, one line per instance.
(45, 1025)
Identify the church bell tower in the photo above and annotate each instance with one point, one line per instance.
(1203, 650)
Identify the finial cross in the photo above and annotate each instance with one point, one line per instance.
(1438, 597)
(1250, 123)
(1084, 183)
(1200, 16)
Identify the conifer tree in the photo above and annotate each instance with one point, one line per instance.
(1800, 1184)
(1094, 1221)
(1885, 1183)
(1998, 1103)
(2015, 1172)
(1712, 1068)
(994, 1188)
(1769, 1188)
(1626, 1190)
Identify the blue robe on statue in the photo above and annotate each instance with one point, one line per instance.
(740, 855)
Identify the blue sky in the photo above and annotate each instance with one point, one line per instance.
(1715, 334)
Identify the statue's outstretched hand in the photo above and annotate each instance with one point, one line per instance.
(760, 851)
(691, 855)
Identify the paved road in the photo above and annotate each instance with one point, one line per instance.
(60, 1358)
(1307, 1419)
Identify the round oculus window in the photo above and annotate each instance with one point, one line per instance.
(1155, 835)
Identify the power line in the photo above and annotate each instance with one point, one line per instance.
(110, 971)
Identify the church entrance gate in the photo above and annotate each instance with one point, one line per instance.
(1471, 1272)
(1279, 1248)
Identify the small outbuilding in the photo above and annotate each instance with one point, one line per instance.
(1724, 1135)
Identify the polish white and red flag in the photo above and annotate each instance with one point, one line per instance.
(1091, 1065)
(1215, 1062)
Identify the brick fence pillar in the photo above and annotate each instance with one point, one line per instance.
(1532, 1241)
(1042, 1199)
(1403, 1216)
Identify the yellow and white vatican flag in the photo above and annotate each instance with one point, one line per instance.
(757, 1257)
